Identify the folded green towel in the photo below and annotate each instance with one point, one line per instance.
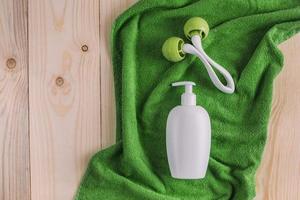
(244, 36)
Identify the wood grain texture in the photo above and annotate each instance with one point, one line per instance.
(64, 94)
(278, 177)
(14, 137)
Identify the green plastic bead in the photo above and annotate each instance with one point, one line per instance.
(172, 49)
(196, 26)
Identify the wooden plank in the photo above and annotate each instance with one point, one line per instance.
(109, 10)
(64, 94)
(278, 177)
(14, 137)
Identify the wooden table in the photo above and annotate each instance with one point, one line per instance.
(56, 101)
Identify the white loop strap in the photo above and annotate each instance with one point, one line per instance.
(197, 50)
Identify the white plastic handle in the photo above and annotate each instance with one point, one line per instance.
(197, 50)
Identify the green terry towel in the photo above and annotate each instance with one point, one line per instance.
(244, 36)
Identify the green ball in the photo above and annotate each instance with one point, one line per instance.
(196, 26)
(172, 49)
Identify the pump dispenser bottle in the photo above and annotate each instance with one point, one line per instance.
(188, 137)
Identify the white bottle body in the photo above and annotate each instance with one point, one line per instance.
(188, 138)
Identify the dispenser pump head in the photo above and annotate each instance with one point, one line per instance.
(188, 98)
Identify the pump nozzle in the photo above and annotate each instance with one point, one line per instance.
(188, 97)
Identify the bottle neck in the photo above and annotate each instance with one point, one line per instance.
(188, 99)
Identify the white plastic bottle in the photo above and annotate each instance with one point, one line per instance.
(188, 137)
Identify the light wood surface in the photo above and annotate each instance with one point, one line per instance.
(64, 93)
(14, 135)
(53, 122)
(279, 174)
